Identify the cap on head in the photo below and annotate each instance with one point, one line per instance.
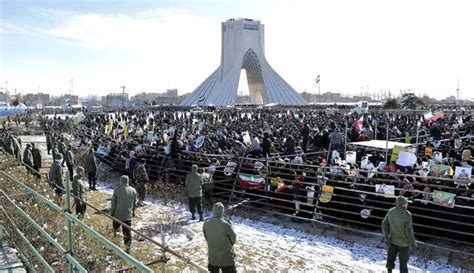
(401, 200)
(218, 210)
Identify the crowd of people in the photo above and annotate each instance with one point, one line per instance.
(297, 153)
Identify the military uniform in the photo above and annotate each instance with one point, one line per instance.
(28, 157)
(123, 208)
(194, 184)
(91, 169)
(56, 175)
(37, 158)
(397, 228)
(79, 194)
(70, 163)
(141, 178)
(220, 237)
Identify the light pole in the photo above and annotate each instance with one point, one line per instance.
(7, 101)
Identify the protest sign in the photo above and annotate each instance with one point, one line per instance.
(406, 159)
(386, 190)
(442, 198)
(326, 194)
(463, 174)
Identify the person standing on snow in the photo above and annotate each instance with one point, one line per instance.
(194, 184)
(220, 237)
(124, 202)
(397, 227)
(91, 169)
(141, 178)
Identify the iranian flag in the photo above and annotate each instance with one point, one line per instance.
(438, 114)
(250, 181)
(359, 122)
(428, 115)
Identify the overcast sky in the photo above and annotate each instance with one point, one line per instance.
(425, 46)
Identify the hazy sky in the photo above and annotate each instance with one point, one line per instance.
(425, 46)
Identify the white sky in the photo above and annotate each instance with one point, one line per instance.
(425, 46)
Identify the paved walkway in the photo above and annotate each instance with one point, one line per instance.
(9, 260)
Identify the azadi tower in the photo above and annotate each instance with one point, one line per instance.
(243, 47)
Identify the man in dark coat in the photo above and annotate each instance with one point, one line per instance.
(37, 158)
(266, 145)
(49, 142)
(124, 201)
(397, 227)
(305, 134)
(194, 184)
(56, 178)
(130, 165)
(28, 157)
(70, 161)
(141, 178)
(220, 237)
(91, 169)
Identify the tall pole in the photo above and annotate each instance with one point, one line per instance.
(69, 221)
(7, 101)
(386, 143)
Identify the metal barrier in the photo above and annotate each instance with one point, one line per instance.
(430, 220)
(165, 249)
(71, 219)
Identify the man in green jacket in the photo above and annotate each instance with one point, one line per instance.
(49, 142)
(56, 177)
(70, 161)
(194, 184)
(16, 147)
(124, 201)
(397, 228)
(37, 158)
(91, 169)
(141, 178)
(79, 192)
(28, 157)
(220, 237)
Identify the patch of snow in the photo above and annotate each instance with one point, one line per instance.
(268, 247)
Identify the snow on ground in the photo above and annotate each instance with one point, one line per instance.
(266, 247)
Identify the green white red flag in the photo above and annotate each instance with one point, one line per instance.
(359, 122)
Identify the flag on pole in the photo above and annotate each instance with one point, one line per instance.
(318, 79)
(359, 122)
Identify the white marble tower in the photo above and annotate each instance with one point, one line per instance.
(243, 47)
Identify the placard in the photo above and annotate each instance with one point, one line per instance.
(406, 159)
(326, 194)
(351, 157)
(463, 174)
(387, 190)
(443, 198)
(428, 151)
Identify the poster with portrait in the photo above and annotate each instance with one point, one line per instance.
(229, 168)
(463, 175)
(428, 151)
(440, 170)
(443, 198)
(387, 190)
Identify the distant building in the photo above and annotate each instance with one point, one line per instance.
(170, 97)
(116, 99)
(64, 100)
(3, 98)
(34, 99)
